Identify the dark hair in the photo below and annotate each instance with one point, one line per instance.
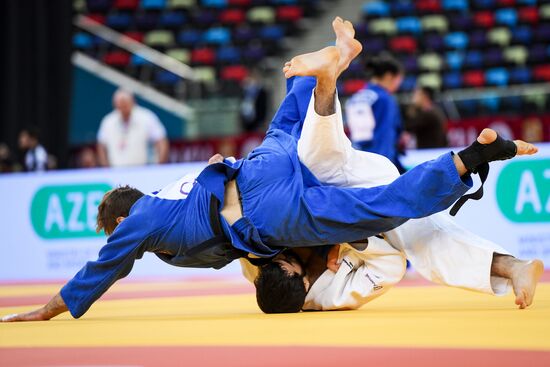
(279, 292)
(115, 203)
(31, 131)
(428, 91)
(378, 66)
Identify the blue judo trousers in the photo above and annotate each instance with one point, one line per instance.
(283, 204)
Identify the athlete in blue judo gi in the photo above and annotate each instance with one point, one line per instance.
(258, 206)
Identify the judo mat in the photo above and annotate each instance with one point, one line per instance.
(215, 322)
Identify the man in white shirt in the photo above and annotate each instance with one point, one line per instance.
(125, 134)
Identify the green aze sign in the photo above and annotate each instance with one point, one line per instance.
(523, 191)
(67, 211)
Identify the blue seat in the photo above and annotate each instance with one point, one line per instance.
(490, 101)
(493, 57)
(484, 4)
(217, 35)
(507, 17)
(146, 21)
(118, 21)
(433, 42)
(408, 84)
(473, 59)
(82, 41)
(410, 63)
(374, 45)
(100, 42)
(522, 34)
(229, 54)
(520, 76)
(214, 3)
(172, 20)
(461, 21)
(409, 25)
(284, 2)
(527, 2)
(537, 53)
(272, 33)
(166, 78)
(478, 38)
(137, 60)
(460, 5)
(153, 4)
(455, 59)
(189, 37)
(402, 7)
(452, 80)
(497, 76)
(376, 8)
(456, 40)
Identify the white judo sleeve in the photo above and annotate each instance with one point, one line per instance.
(438, 248)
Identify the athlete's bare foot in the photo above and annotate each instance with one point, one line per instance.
(322, 64)
(346, 43)
(488, 136)
(525, 276)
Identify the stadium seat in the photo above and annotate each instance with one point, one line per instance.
(228, 55)
(493, 57)
(180, 54)
(543, 32)
(484, 19)
(409, 25)
(253, 53)
(402, 7)
(118, 21)
(203, 56)
(484, 4)
(461, 21)
(235, 72)
(507, 16)
(374, 45)
(82, 41)
(432, 80)
(117, 58)
(516, 55)
(456, 5)
(166, 78)
(261, 14)
(545, 11)
(126, 4)
(408, 84)
(189, 37)
(98, 18)
(452, 80)
(205, 74)
(490, 102)
(529, 15)
(376, 9)
(456, 40)
(499, 36)
(537, 53)
(153, 4)
(172, 19)
(220, 4)
(474, 78)
(406, 44)
(98, 5)
(352, 86)
(135, 35)
(217, 36)
(410, 63)
(181, 4)
(497, 76)
(137, 60)
(473, 59)
(383, 26)
(430, 62)
(535, 100)
(159, 39)
(240, 3)
(243, 34)
(146, 21)
(232, 16)
(455, 59)
(506, 3)
(433, 42)
(527, 2)
(542, 73)
(435, 23)
(204, 18)
(520, 76)
(289, 13)
(272, 33)
(478, 38)
(428, 6)
(522, 35)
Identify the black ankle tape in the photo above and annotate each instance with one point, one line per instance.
(483, 171)
(477, 153)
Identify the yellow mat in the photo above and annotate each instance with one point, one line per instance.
(404, 317)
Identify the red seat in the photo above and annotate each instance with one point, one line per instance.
(126, 4)
(117, 58)
(242, 3)
(428, 5)
(235, 72)
(289, 13)
(529, 14)
(474, 78)
(542, 72)
(353, 86)
(232, 16)
(403, 44)
(137, 36)
(484, 19)
(204, 56)
(504, 3)
(99, 18)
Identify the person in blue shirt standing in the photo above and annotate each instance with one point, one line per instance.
(372, 114)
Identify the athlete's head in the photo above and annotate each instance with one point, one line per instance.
(115, 206)
(385, 71)
(282, 285)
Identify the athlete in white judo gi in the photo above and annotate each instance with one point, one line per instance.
(439, 249)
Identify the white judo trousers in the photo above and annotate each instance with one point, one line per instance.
(437, 248)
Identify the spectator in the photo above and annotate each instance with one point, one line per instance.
(425, 120)
(6, 159)
(254, 103)
(373, 114)
(87, 158)
(124, 134)
(35, 156)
